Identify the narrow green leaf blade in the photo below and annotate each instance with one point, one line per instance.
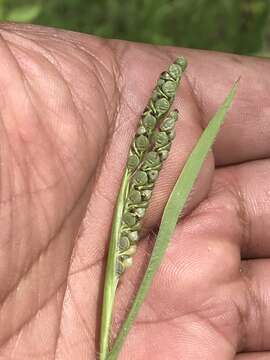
(172, 212)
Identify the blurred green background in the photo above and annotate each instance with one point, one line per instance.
(239, 26)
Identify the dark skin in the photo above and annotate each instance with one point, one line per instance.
(69, 105)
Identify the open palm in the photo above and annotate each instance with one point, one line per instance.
(69, 107)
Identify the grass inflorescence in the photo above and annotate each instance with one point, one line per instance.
(149, 149)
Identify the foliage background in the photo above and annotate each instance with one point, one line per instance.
(239, 26)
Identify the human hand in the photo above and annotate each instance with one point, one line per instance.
(70, 104)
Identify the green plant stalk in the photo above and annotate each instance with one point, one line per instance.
(171, 214)
(111, 280)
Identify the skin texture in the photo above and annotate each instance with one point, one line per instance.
(69, 106)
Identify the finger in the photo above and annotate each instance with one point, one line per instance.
(254, 356)
(256, 336)
(240, 203)
(210, 75)
(245, 135)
